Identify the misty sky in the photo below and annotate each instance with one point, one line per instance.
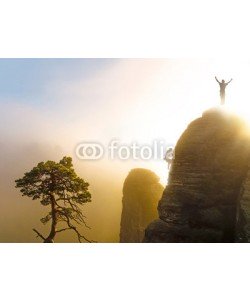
(49, 106)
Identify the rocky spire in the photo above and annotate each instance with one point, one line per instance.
(203, 199)
(141, 193)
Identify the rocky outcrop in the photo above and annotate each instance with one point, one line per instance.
(141, 193)
(208, 192)
(243, 212)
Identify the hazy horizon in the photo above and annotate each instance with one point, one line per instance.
(49, 106)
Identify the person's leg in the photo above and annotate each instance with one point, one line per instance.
(222, 96)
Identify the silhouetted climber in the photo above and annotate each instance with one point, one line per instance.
(169, 156)
(223, 85)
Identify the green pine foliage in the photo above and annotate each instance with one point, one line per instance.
(58, 186)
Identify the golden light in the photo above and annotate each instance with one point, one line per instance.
(173, 101)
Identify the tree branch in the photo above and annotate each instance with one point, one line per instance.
(39, 234)
(79, 236)
(78, 212)
(63, 229)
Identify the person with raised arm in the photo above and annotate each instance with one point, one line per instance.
(223, 85)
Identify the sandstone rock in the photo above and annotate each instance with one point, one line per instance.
(141, 193)
(243, 212)
(200, 202)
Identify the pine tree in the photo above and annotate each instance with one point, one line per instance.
(57, 185)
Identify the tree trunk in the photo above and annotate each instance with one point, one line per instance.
(51, 236)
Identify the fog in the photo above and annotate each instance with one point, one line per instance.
(70, 112)
(131, 100)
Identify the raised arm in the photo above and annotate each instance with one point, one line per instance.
(229, 80)
(217, 79)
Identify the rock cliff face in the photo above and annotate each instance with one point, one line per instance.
(208, 194)
(141, 193)
(243, 212)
